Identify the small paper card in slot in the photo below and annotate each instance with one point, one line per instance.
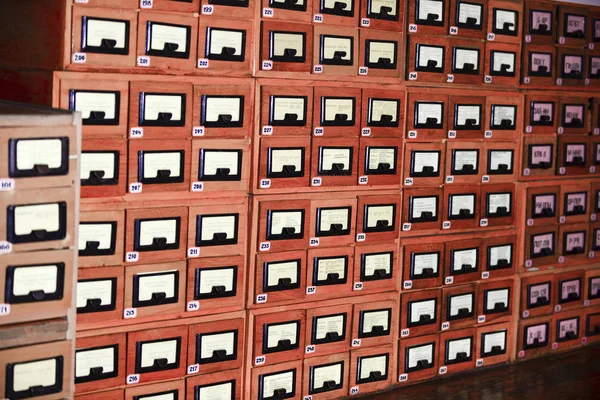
(216, 347)
(221, 390)
(423, 209)
(217, 229)
(467, 117)
(336, 50)
(330, 270)
(425, 164)
(36, 222)
(594, 288)
(505, 22)
(536, 336)
(458, 350)
(168, 40)
(97, 238)
(465, 61)
(498, 205)
(381, 54)
(572, 66)
(373, 323)
(594, 67)
(464, 261)
(422, 312)
(567, 329)
(430, 58)
(156, 234)
(542, 114)
(376, 266)
(500, 162)
(287, 46)
(162, 109)
(574, 243)
(97, 168)
(333, 221)
(34, 283)
(503, 117)
(469, 15)
(287, 110)
(499, 257)
(429, 115)
(337, 111)
(540, 22)
(157, 355)
(430, 12)
(381, 160)
(575, 26)
(372, 368)
(96, 363)
(155, 288)
(460, 306)
(34, 378)
(383, 10)
(285, 224)
(540, 64)
(217, 165)
(383, 113)
(539, 295)
(277, 385)
(325, 378)
(502, 63)
(542, 245)
(280, 337)
(461, 206)
(419, 357)
(160, 167)
(573, 115)
(465, 162)
(96, 295)
(285, 162)
(38, 157)
(379, 218)
(493, 343)
(215, 283)
(575, 203)
(97, 107)
(344, 8)
(570, 290)
(424, 265)
(329, 328)
(281, 275)
(540, 156)
(105, 36)
(222, 111)
(496, 301)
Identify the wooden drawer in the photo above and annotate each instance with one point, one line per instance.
(464, 261)
(427, 57)
(216, 346)
(504, 116)
(497, 204)
(155, 289)
(36, 287)
(420, 312)
(539, 158)
(326, 377)
(540, 22)
(280, 277)
(569, 290)
(592, 287)
(221, 165)
(205, 231)
(504, 21)
(571, 66)
(422, 164)
(329, 273)
(534, 337)
(154, 52)
(376, 267)
(541, 246)
(380, 161)
(500, 256)
(335, 161)
(333, 222)
(378, 218)
(284, 162)
(38, 224)
(279, 380)
(575, 203)
(457, 350)
(335, 50)
(215, 283)
(542, 205)
(428, 17)
(592, 76)
(344, 13)
(279, 337)
(418, 358)
(103, 168)
(465, 163)
(493, 343)
(107, 37)
(459, 305)
(47, 370)
(422, 209)
(226, 111)
(100, 238)
(465, 58)
(175, 389)
(593, 156)
(574, 243)
(374, 324)
(156, 354)
(539, 64)
(573, 25)
(468, 18)
(537, 295)
(286, 47)
(567, 329)
(335, 115)
(594, 240)
(495, 300)
(382, 15)
(283, 225)
(426, 116)
(371, 369)
(328, 330)
(380, 53)
(382, 113)
(421, 265)
(219, 383)
(156, 234)
(280, 10)
(572, 155)
(286, 110)
(502, 63)
(38, 159)
(573, 116)
(100, 294)
(592, 325)
(461, 207)
(117, 394)
(501, 162)
(100, 362)
(541, 113)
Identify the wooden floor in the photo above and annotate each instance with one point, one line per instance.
(566, 376)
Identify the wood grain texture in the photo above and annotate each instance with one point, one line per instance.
(35, 332)
(363, 225)
(117, 394)
(394, 25)
(334, 291)
(413, 43)
(483, 309)
(454, 162)
(366, 35)
(409, 252)
(426, 134)
(410, 151)
(505, 6)
(502, 47)
(267, 145)
(464, 32)
(318, 208)
(449, 192)
(490, 190)
(326, 30)
(451, 59)
(366, 145)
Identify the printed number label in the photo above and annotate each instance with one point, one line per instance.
(491, 36)
(558, 308)
(483, 222)
(445, 326)
(265, 183)
(261, 299)
(408, 181)
(449, 280)
(318, 69)
(450, 179)
(451, 134)
(135, 187)
(454, 30)
(267, 65)
(314, 242)
(132, 256)
(193, 369)
(485, 275)
(194, 252)
(265, 246)
(365, 22)
(135, 133)
(268, 13)
(132, 379)
(363, 71)
(527, 80)
(450, 78)
(203, 62)
(403, 378)
(406, 227)
(405, 332)
(267, 130)
(4, 309)
(198, 131)
(79, 58)
(311, 290)
(197, 186)
(193, 305)
(485, 178)
(487, 134)
(354, 390)
(318, 18)
(363, 180)
(521, 354)
(130, 313)
(143, 61)
(412, 28)
(355, 342)
(479, 363)
(559, 81)
(207, 10)
(310, 349)
(443, 370)
(7, 185)
(487, 79)
(446, 225)
(260, 360)
(319, 131)
(526, 314)
(365, 132)
(358, 286)
(407, 285)
(412, 76)
(145, 3)
(361, 237)
(412, 134)
(481, 319)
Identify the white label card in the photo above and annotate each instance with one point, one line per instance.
(466, 56)
(420, 353)
(327, 373)
(283, 42)
(271, 383)
(95, 232)
(494, 297)
(98, 30)
(286, 219)
(498, 200)
(575, 23)
(375, 6)
(539, 18)
(569, 287)
(419, 308)
(331, 266)
(85, 360)
(288, 331)
(468, 113)
(459, 302)
(373, 262)
(536, 332)
(430, 53)
(568, 326)
(424, 204)
(340, 46)
(94, 290)
(219, 391)
(465, 157)
(36, 373)
(216, 342)
(283, 106)
(155, 104)
(429, 110)
(435, 8)
(380, 213)
(214, 160)
(541, 154)
(104, 162)
(86, 102)
(282, 270)
(210, 278)
(39, 152)
(221, 38)
(336, 216)
(422, 261)
(329, 324)
(544, 241)
(379, 108)
(462, 202)
(221, 224)
(150, 283)
(375, 318)
(502, 58)
(423, 159)
(500, 157)
(162, 34)
(157, 350)
(459, 346)
(468, 11)
(33, 278)
(217, 106)
(500, 253)
(505, 17)
(537, 291)
(36, 217)
(494, 339)
(149, 230)
(379, 156)
(372, 364)
(338, 156)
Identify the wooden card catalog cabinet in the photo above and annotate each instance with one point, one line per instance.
(592, 288)
(216, 346)
(37, 371)
(539, 156)
(464, 261)
(103, 106)
(380, 53)
(424, 164)
(502, 64)
(541, 246)
(465, 163)
(468, 19)
(492, 343)
(500, 256)
(100, 294)
(429, 17)
(575, 203)
(220, 165)
(227, 9)
(417, 358)
(382, 113)
(537, 295)
(300, 11)
(595, 27)
(225, 44)
(39, 158)
(279, 337)
(335, 161)
(284, 162)
(427, 115)
(283, 225)
(100, 238)
(420, 312)
(374, 324)
(467, 116)
(504, 21)
(573, 26)
(459, 306)
(155, 234)
(378, 218)
(328, 272)
(106, 38)
(103, 168)
(215, 283)
(466, 61)
(370, 369)
(222, 112)
(421, 209)
(461, 207)
(335, 114)
(571, 66)
(495, 300)
(281, 381)
(166, 41)
(38, 286)
(379, 161)
(160, 110)
(457, 350)
(594, 240)
(335, 49)
(501, 163)
(100, 362)
(328, 330)
(280, 277)
(595, 200)
(497, 204)
(376, 267)
(572, 157)
(593, 68)
(333, 222)
(539, 65)
(569, 290)
(541, 113)
(422, 265)
(286, 110)
(427, 57)
(154, 289)
(224, 383)
(540, 21)
(534, 337)
(542, 205)
(156, 354)
(573, 116)
(36, 224)
(215, 232)
(593, 156)
(326, 377)
(382, 15)
(591, 324)
(567, 330)
(286, 47)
